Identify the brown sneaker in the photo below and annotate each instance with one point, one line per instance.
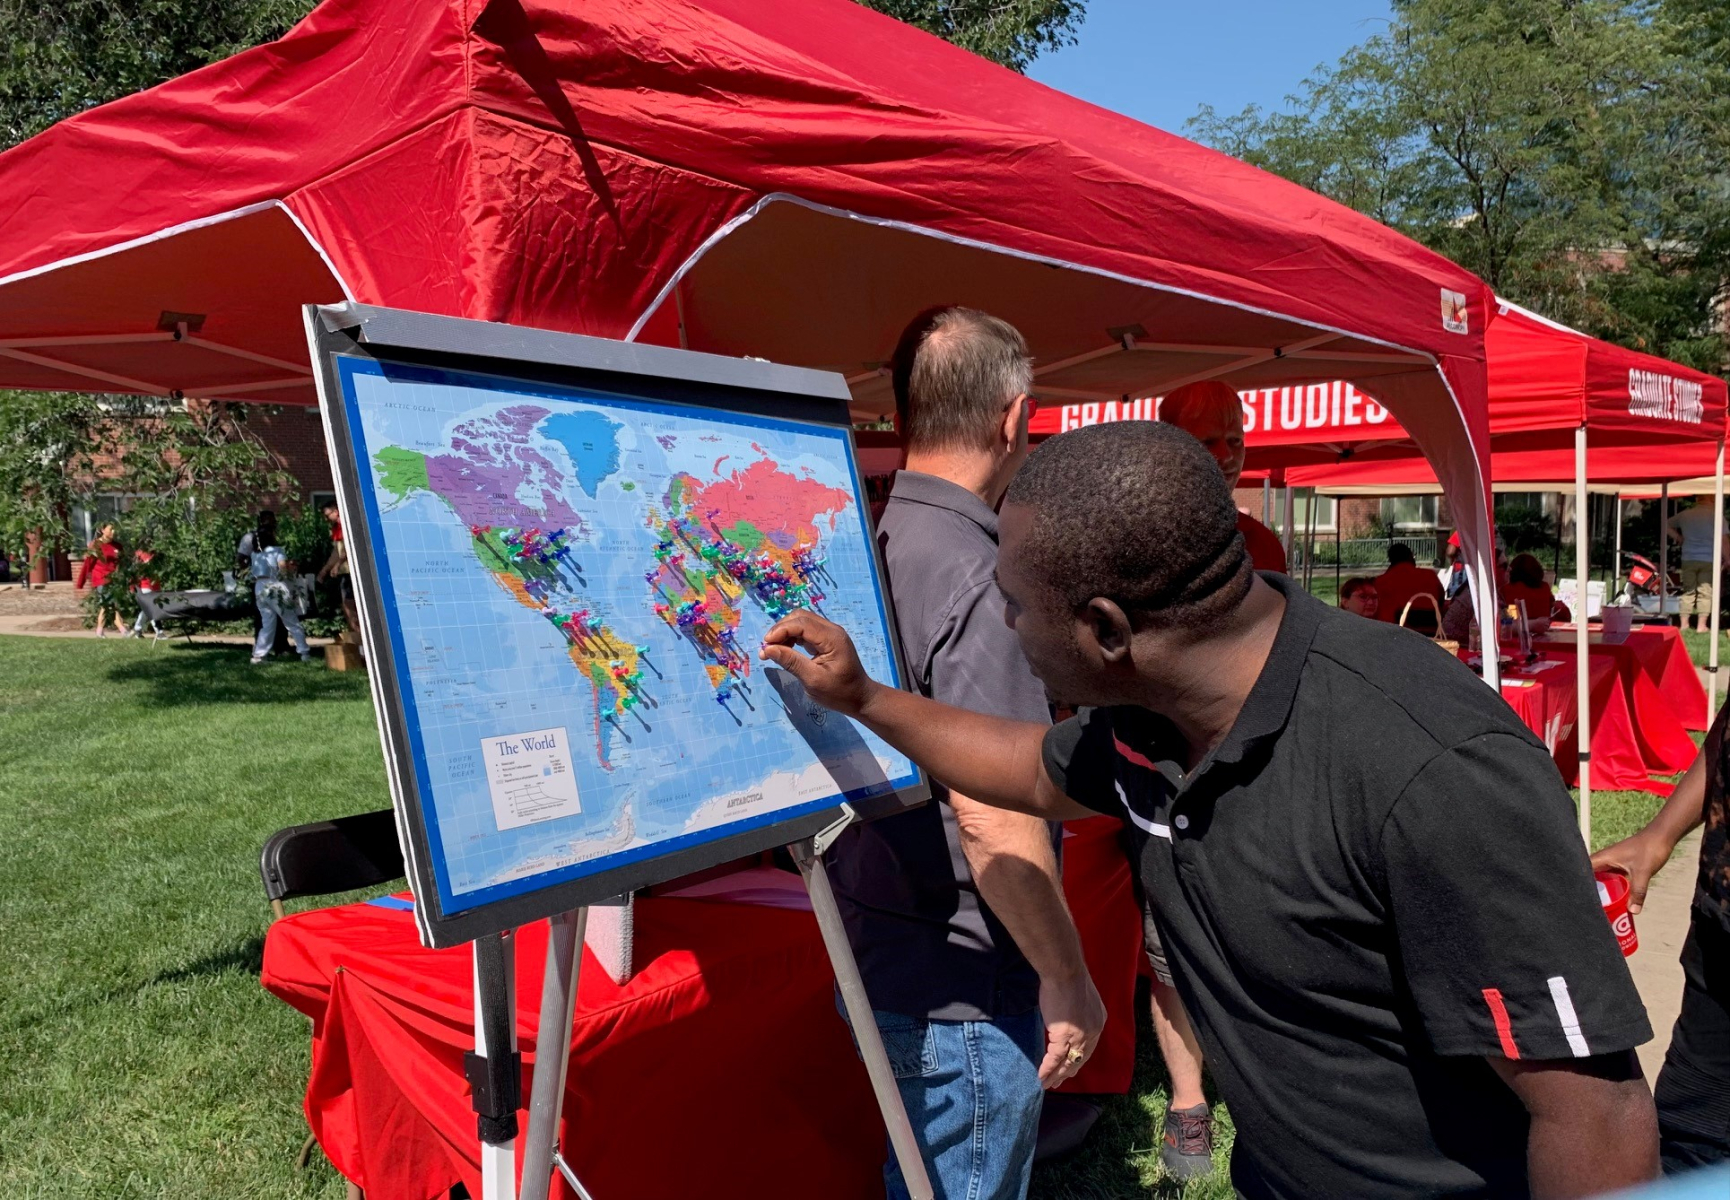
(1188, 1150)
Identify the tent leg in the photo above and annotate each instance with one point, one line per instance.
(1337, 536)
(1310, 542)
(1717, 573)
(1556, 566)
(1267, 501)
(1664, 554)
(1582, 636)
(1285, 527)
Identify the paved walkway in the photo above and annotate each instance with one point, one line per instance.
(1663, 926)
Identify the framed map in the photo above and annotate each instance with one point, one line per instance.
(565, 577)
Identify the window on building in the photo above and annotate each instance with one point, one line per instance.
(1326, 508)
(1410, 512)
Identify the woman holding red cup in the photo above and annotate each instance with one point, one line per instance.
(1693, 1091)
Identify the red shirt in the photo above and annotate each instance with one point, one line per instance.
(1398, 584)
(98, 565)
(1266, 551)
(1539, 600)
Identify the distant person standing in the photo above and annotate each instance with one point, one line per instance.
(101, 560)
(1212, 413)
(1400, 583)
(336, 566)
(271, 570)
(144, 585)
(1695, 530)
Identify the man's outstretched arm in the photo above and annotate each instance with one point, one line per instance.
(992, 759)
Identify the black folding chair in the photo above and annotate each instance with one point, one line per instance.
(324, 858)
(327, 857)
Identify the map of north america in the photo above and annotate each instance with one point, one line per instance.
(581, 586)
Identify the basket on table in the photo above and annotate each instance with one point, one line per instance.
(1446, 643)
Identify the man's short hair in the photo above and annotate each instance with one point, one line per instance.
(1399, 553)
(1136, 512)
(954, 370)
(1205, 396)
(1354, 585)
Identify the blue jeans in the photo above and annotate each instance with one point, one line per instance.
(972, 1094)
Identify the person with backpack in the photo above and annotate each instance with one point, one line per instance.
(271, 571)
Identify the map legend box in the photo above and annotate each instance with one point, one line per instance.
(530, 777)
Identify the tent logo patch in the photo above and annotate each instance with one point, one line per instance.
(1456, 313)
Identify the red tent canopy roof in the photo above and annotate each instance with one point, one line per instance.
(1647, 419)
(790, 179)
(481, 160)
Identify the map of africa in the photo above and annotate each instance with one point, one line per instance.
(579, 584)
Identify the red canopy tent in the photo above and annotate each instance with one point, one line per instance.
(1568, 407)
(783, 178)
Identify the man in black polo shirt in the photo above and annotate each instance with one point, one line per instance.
(1364, 869)
(954, 909)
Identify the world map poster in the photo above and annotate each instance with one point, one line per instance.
(576, 585)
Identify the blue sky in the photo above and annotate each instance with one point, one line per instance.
(1159, 60)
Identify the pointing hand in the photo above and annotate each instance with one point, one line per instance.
(829, 670)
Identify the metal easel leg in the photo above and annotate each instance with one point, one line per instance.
(553, 1056)
(494, 1070)
(808, 854)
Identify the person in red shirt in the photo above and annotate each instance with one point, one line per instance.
(101, 558)
(143, 585)
(1403, 580)
(1526, 582)
(1211, 412)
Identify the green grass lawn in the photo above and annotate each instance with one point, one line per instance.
(141, 1057)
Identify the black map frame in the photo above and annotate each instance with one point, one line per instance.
(733, 385)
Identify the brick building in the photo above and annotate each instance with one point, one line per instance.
(293, 436)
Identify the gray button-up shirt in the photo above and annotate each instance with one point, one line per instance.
(927, 943)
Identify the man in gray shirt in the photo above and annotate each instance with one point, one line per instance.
(954, 909)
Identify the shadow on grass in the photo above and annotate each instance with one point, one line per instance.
(247, 957)
(223, 674)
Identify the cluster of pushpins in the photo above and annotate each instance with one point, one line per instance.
(576, 626)
(627, 681)
(533, 545)
(779, 591)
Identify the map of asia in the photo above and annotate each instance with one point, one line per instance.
(579, 584)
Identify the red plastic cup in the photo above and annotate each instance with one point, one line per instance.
(1613, 892)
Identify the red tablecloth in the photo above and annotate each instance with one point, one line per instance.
(1665, 660)
(1665, 699)
(1634, 688)
(1545, 699)
(725, 1045)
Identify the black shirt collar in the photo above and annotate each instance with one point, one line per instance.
(1269, 703)
(916, 487)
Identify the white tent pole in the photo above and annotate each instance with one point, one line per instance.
(1267, 501)
(1582, 637)
(1286, 522)
(1717, 572)
(1664, 553)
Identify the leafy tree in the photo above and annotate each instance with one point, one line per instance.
(1571, 152)
(182, 463)
(1010, 32)
(58, 58)
(51, 440)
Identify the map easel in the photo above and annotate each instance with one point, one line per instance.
(510, 485)
(541, 1156)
